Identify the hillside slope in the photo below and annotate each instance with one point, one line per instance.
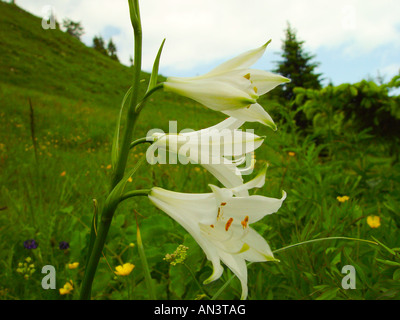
(53, 61)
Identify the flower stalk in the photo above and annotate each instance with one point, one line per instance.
(146, 270)
(132, 116)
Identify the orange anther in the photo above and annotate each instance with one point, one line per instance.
(245, 221)
(228, 224)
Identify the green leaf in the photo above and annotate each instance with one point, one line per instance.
(67, 209)
(328, 294)
(337, 259)
(396, 275)
(115, 144)
(299, 98)
(385, 247)
(353, 91)
(115, 195)
(389, 262)
(154, 73)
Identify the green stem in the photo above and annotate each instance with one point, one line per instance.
(135, 193)
(139, 141)
(145, 265)
(216, 295)
(132, 116)
(147, 95)
(195, 279)
(104, 226)
(93, 228)
(322, 239)
(128, 284)
(98, 246)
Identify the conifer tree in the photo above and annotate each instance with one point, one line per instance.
(297, 65)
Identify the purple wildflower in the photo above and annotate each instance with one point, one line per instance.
(64, 245)
(30, 244)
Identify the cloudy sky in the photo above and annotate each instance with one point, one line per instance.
(352, 39)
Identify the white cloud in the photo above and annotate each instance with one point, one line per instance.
(202, 32)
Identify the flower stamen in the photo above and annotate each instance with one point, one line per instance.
(245, 222)
(228, 224)
(220, 213)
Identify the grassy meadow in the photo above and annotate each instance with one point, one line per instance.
(59, 103)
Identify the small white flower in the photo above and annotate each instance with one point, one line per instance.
(231, 88)
(219, 222)
(211, 147)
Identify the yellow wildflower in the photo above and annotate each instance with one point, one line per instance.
(342, 199)
(73, 265)
(108, 167)
(68, 287)
(130, 179)
(124, 270)
(62, 174)
(291, 153)
(374, 221)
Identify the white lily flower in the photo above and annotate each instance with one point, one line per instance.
(231, 88)
(219, 222)
(210, 148)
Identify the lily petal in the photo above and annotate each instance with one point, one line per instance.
(259, 249)
(254, 113)
(192, 227)
(265, 81)
(227, 174)
(216, 95)
(230, 123)
(257, 182)
(239, 268)
(243, 60)
(205, 213)
(256, 207)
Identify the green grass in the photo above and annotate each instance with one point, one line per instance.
(76, 94)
